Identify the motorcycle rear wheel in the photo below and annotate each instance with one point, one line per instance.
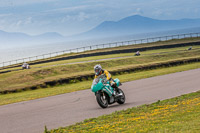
(102, 100)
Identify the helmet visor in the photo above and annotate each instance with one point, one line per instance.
(97, 71)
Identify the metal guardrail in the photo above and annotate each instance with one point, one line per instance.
(100, 46)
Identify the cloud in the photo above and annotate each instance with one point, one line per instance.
(28, 20)
(68, 9)
(5, 15)
(36, 16)
(139, 11)
(18, 24)
(82, 16)
(66, 18)
(9, 3)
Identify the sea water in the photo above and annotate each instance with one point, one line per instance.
(14, 53)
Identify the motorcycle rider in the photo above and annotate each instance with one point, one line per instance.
(99, 71)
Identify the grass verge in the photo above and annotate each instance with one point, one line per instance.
(33, 77)
(180, 114)
(66, 88)
(64, 62)
(120, 47)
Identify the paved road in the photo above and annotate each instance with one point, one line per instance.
(67, 109)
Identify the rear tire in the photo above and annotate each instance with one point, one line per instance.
(102, 100)
(123, 98)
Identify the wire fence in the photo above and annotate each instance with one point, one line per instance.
(99, 46)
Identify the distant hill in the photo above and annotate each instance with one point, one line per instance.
(139, 24)
(127, 26)
(50, 35)
(16, 38)
(14, 35)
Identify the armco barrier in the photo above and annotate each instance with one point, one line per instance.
(130, 50)
(99, 46)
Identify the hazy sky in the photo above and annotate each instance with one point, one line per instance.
(69, 17)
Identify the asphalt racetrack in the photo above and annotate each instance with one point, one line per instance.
(66, 109)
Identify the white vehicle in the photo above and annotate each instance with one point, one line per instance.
(25, 66)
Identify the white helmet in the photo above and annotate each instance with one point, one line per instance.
(97, 69)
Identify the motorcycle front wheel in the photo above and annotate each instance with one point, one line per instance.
(102, 100)
(122, 99)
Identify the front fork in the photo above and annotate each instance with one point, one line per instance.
(108, 90)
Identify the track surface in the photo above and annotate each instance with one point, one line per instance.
(69, 108)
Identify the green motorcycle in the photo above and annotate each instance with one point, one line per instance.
(105, 94)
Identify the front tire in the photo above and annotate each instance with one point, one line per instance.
(102, 100)
(123, 98)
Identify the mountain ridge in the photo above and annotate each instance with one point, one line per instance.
(23, 39)
(135, 24)
(139, 24)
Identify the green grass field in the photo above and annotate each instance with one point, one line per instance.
(27, 78)
(20, 79)
(180, 114)
(159, 43)
(174, 115)
(66, 88)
